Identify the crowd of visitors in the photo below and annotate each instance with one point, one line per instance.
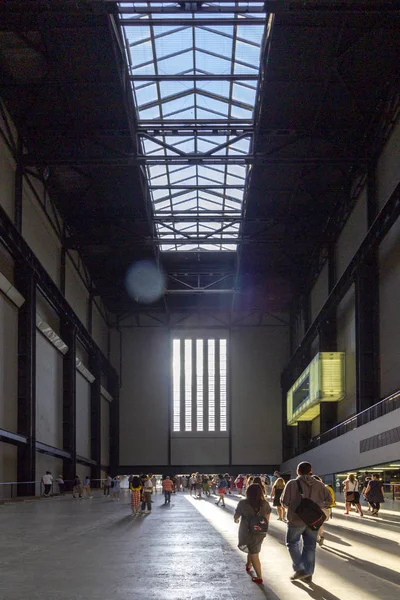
(304, 504)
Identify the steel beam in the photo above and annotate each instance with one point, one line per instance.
(188, 159)
(25, 282)
(203, 291)
(22, 253)
(50, 450)
(113, 383)
(68, 335)
(183, 78)
(187, 22)
(12, 438)
(177, 186)
(18, 185)
(95, 417)
(377, 232)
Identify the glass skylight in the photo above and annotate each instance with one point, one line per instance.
(194, 78)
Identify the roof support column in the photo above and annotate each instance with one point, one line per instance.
(18, 186)
(367, 313)
(95, 418)
(68, 334)
(113, 383)
(25, 282)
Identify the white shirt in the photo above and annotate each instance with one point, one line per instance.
(47, 479)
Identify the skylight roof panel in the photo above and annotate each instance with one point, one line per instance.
(146, 70)
(137, 33)
(219, 88)
(142, 53)
(185, 205)
(147, 94)
(244, 94)
(169, 88)
(175, 64)
(247, 53)
(175, 41)
(186, 49)
(240, 113)
(220, 44)
(182, 100)
(181, 114)
(212, 64)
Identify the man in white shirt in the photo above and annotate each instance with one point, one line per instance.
(47, 481)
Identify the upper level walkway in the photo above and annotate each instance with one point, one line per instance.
(64, 549)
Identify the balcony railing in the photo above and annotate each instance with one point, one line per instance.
(380, 409)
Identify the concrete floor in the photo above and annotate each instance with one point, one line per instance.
(64, 549)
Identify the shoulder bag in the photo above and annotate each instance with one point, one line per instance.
(309, 511)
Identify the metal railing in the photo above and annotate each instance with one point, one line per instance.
(10, 490)
(380, 409)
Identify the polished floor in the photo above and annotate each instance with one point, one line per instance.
(64, 549)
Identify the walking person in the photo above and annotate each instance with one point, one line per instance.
(239, 483)
(374, 494)
(87, 492)
(61, 484)
(77, 487)
(135, 486)
(107, 485)
(47, 481)
(192, 483)
(301, 540)
(253, 506)
(222, 486)
(352, 494)
(327, 511)
(167, 487)
(116, 487)
(147, 495)
(199, 484)
(276, 493)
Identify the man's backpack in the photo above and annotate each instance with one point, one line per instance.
(258, 524)
(309, 511)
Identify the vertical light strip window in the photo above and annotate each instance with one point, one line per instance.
(211, 385)
(222, 385)
(176, 384)
(199, 383)
(188, 385)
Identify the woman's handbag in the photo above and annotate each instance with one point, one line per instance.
(350, 497)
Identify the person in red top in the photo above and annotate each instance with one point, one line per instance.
(167, 486)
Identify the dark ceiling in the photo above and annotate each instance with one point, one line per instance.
(328, 79)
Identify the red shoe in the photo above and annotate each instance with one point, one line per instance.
(257, 579)
(248, 569)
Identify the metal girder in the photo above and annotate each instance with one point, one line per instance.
(270, 6)
(189, 159)
(184, 78)
(177, 10)
(12, 438)
(197, 187)
(198, 291)
(154, 22)
(20, 250)
(377, 232)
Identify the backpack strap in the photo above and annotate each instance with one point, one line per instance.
(299, 487)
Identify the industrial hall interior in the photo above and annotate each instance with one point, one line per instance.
(200, 300)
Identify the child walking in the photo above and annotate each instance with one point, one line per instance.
(136, 488)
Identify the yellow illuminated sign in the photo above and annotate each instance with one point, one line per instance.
(321, 381)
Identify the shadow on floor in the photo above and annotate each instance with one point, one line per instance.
(365, 565)
(330, 537)
(315, 591)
